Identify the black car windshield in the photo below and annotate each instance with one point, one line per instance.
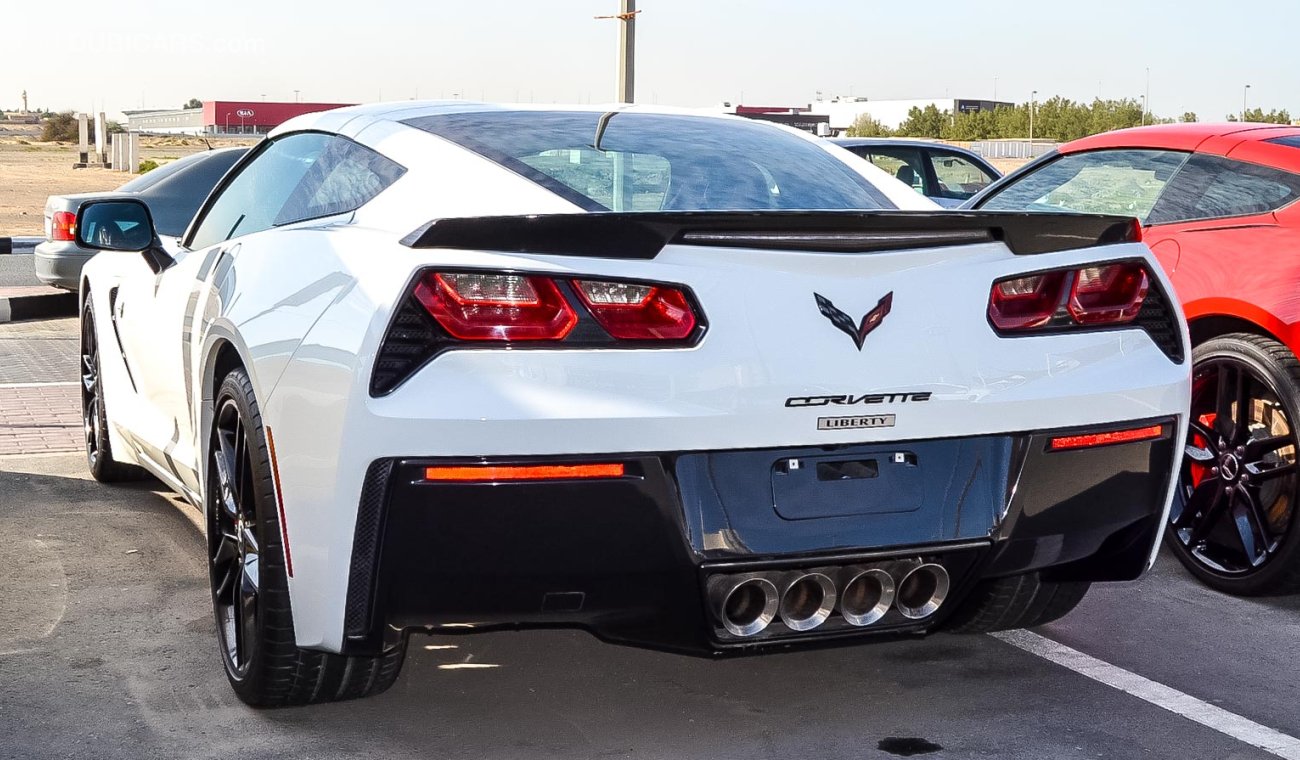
(626, 161)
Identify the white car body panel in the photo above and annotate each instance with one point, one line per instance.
(306, 307)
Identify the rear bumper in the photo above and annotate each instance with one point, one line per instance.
(59, 264)
(632, 558)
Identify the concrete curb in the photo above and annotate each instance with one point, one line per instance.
(19, 244)
(42, 306)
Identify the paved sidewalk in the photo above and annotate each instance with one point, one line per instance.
(39, 419)
(40, 406)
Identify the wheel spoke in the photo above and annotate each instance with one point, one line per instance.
(1224, 394)
(225, 493)
(1203, 520)
(1246, 535)
(1258, 447)
(227, 582)
(227, 549)
(1201, 501)
(246, 601)
(1262, 472)
(1198, 454)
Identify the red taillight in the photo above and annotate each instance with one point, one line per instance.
(1108, 295)
(1088, 440)
(500, 473)
(630, 311)
(63, 226)
(1024, 302)
(1096, 296)
(498, 307)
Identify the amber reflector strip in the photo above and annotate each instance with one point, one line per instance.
(279, 502)
(1104, 439)
(494, 473)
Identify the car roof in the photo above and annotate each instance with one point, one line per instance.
(352, 120)
(1194, 136)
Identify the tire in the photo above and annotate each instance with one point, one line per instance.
(248, 577)
(94, 417)
(1234, 522)
(1019, 601)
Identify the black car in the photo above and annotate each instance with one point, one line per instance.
(173, 193)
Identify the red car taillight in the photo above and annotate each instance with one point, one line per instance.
(63, 226)
(449, 310)
(631, 311)
(1108, 295)
(1025, 302)
(1096, 296)
(496, 307)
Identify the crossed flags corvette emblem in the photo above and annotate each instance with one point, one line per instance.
(858, 332)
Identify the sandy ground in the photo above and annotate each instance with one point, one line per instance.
(31, 170)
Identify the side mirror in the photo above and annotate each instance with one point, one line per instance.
(122, 224)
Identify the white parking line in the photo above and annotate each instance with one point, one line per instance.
(1230, 724)
(68, 384)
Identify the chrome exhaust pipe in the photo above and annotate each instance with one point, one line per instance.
(807, 602)
(867, 596)
(922, 590)
(745, 604)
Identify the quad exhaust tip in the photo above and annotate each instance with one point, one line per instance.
(746, 605)
(867, 596)
(922, 590)
(808, 602)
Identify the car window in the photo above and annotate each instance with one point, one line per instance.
(295, 177)
(592, 172)
(1212, 187)
(959, 178)
(345, 177)
(903, 164)
(174, 201)
(1124, 182)
(660, 162)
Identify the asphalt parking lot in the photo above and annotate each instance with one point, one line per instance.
(107, 651)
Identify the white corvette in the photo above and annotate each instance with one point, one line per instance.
(690, 382)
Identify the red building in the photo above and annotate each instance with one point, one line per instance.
(255, 117)
(218, 117)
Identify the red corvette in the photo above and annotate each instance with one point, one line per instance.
(1217, 203)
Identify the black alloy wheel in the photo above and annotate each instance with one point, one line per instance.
(233, 545)
(1233, 519)
(94, 417)
(249, 574)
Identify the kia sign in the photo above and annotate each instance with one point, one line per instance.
(244, 113)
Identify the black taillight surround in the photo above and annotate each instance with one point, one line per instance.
(414, 338)
(1156, 316)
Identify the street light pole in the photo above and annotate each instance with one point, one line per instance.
(627, 52)
(1244, 92)
(1032, 96)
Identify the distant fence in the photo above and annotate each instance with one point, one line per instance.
(1023, 149)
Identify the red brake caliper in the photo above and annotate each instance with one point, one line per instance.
(1200, 469)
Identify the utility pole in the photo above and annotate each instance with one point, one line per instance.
(626, 50)
(1146, 100)
(1032, 96)
(1245, 91)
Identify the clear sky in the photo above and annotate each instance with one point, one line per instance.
(85, 55)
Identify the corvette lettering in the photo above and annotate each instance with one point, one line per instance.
(850, 400)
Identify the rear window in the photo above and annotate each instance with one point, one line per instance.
(1214, 187)
(656, 162)
(1122, 182)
